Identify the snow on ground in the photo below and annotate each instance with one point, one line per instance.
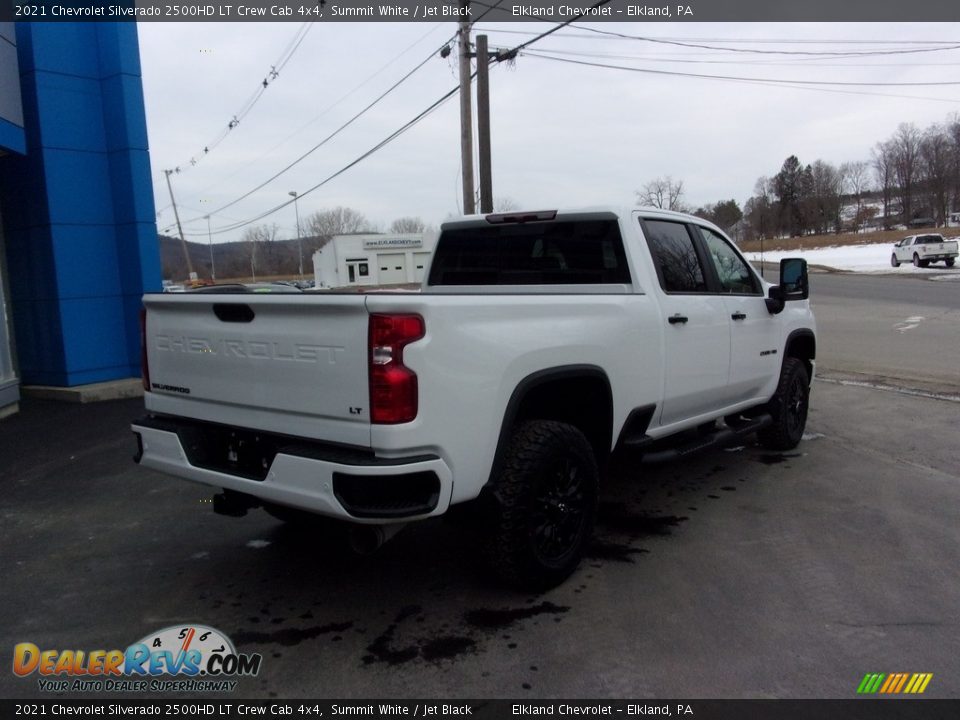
(860, 258)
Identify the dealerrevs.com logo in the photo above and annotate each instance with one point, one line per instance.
(201, 658)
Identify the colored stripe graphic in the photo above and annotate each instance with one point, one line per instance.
(899, 687)
(918, 683)
(870, 683)
(894, 683)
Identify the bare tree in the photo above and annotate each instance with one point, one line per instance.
(936, 166)
(825, 189)
(883, 166)
(408, 225)
(953, 133)
(664, 192)
(906, 166)
(760, 211)
(262, 249)
(856, 179)
(336, 221)
(505, 203)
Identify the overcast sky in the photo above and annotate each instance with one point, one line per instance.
(563, 134)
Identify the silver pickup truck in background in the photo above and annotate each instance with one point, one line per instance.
(924, 249)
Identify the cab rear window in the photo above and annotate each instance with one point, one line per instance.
(576, 252)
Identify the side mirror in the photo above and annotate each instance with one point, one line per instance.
(794, 285)
(794, 282)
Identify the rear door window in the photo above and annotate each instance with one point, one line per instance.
(575, 252)
(678, 264)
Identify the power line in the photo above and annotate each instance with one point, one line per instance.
(490, 9)
(513, 53)
(249, 104)
(330, 107)
(688, 59)
(322, 142)
(507, 55)
(784, 41)
(379, 146)
(327, 138)
(703, 46)
(677, 73)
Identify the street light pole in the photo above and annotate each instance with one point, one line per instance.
(296, 209)
(213, 270)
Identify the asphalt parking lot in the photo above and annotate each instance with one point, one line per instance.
(737, 574)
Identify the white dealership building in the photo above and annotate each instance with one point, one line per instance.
(391, 259)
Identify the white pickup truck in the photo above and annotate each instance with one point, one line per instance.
(922, 250)
(540, 344)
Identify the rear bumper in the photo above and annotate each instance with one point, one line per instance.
(334, 482)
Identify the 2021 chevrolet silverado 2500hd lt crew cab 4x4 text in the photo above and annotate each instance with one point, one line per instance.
(540, 343)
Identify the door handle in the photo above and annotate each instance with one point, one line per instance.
(677, 319)
(739, 316)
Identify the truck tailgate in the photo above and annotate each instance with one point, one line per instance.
(294, 363)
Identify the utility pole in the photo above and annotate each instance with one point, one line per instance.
(186, 253)
(213, 269)
(466, 115)
(296, 208)
(483, 125)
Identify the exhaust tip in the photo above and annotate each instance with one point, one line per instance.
(367, 539)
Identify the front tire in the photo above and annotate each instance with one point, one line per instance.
(788, 406)
(543, 506)
(916, 260)
(894, 261)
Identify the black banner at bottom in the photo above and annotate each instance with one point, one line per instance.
(858, 709)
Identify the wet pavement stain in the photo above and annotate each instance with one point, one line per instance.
(380, 650)
(611, 516)
(446, 648)
(617, 552)
(496, 619)
(288, 636)
(777, 459)
(728, 488)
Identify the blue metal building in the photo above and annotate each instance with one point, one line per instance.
(78, 239)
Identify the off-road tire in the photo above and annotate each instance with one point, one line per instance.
(542, 506)
(893, 260)
(788, 406)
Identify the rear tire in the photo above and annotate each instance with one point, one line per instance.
(949, 262)
(788, 406)
(894, 261)
(543, 505)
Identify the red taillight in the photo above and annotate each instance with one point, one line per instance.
(393, 387)
(144, 369)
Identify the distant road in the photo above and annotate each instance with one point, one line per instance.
(900, 330)
(889, 288)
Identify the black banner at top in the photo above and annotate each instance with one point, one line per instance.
(553, 11)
